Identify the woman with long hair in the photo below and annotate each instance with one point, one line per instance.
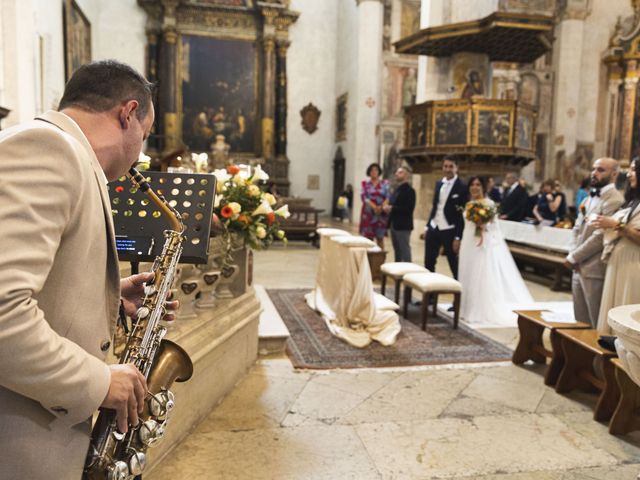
(489, 276)
(621, 250)
(375, 195)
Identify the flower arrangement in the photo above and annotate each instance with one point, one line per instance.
(243, 213)
(480, 213)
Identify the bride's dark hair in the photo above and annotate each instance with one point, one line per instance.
(482, 181)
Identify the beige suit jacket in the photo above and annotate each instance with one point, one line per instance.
(588, 240)
(59, 297)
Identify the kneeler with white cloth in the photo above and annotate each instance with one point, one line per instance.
(344, 294)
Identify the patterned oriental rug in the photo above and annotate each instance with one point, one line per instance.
(312, 346)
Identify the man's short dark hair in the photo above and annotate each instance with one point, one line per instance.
(450, 159)
(100, 86)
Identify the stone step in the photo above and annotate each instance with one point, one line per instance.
(272, 332)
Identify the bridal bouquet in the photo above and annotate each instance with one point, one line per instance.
(480, 213)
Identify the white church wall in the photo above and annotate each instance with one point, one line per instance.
(311, 71)
(465, 10)
(598, 29)
(346, 82)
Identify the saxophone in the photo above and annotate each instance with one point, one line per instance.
(121, 456)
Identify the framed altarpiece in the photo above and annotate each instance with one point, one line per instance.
(220, 67)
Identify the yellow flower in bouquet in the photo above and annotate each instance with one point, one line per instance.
(480, 212)
(244, 210)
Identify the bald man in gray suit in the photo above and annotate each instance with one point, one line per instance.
(588, 270)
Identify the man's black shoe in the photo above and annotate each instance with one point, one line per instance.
(607, 342)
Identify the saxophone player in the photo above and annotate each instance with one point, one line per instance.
(60, 291)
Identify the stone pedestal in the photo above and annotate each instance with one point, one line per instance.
(223, 345)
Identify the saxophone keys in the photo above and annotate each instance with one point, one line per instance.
(137, 463)
(143, 312)
(148, 432)
(149, 289)
(118, 471)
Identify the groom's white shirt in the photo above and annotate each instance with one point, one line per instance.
(439, 220)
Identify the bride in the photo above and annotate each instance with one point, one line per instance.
(489, 276)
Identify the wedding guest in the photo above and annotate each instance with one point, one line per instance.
(588, 269)
(445, 224)
(621, 251)
(557, 191)
(493, 192)
(583, 192)
(400, 211)
(375, 194)
(514, 202)
(546, 210)
(488, 273)
(345, 211)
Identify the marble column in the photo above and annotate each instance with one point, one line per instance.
(567, 57)
(628, 109)
(613, 111)
(365, 102)
(281, 100)
(268, 96)
(167, 90)
(153, 50)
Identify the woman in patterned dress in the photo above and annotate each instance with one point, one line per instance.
(375, 194)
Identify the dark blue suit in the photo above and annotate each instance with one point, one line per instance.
(453, 208)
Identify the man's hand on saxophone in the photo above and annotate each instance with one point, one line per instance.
(132, 294)
(127, 391)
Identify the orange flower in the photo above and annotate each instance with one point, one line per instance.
(226, 212)
(243, 219)
(233, 169)
(271, 217)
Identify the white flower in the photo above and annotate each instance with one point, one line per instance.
(283, 211)
(142, 158)
(254, 190)
(259, 175)
(235, 207)
(263, 209)
(261, 232)
(221, 175)
(216, 201)
(270, 198)
(239, 179)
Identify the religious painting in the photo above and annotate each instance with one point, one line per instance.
(469, 75)
(77, 38)
(524, 131)
(451, 128)
(493, 127)
(219, 93)
(417, 130)
(341, 118)
(410, 18)
(529, 89)
(401, 85)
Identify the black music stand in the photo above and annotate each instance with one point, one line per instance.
(139, 224)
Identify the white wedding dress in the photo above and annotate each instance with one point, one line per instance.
(491, 281)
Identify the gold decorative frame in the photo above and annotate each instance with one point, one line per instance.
(77, 37)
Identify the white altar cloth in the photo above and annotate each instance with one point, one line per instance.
(549, 238)
(344, 295)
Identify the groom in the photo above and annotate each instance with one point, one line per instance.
(587, 280)
(445, 224)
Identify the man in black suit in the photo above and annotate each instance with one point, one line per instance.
(445, 224)
(514, 200)
(400, 210)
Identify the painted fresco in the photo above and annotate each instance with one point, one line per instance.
(451, 128)
(219, 93)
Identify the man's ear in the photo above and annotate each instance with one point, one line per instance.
(126, 113)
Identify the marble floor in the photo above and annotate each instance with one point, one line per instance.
(488, 422)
